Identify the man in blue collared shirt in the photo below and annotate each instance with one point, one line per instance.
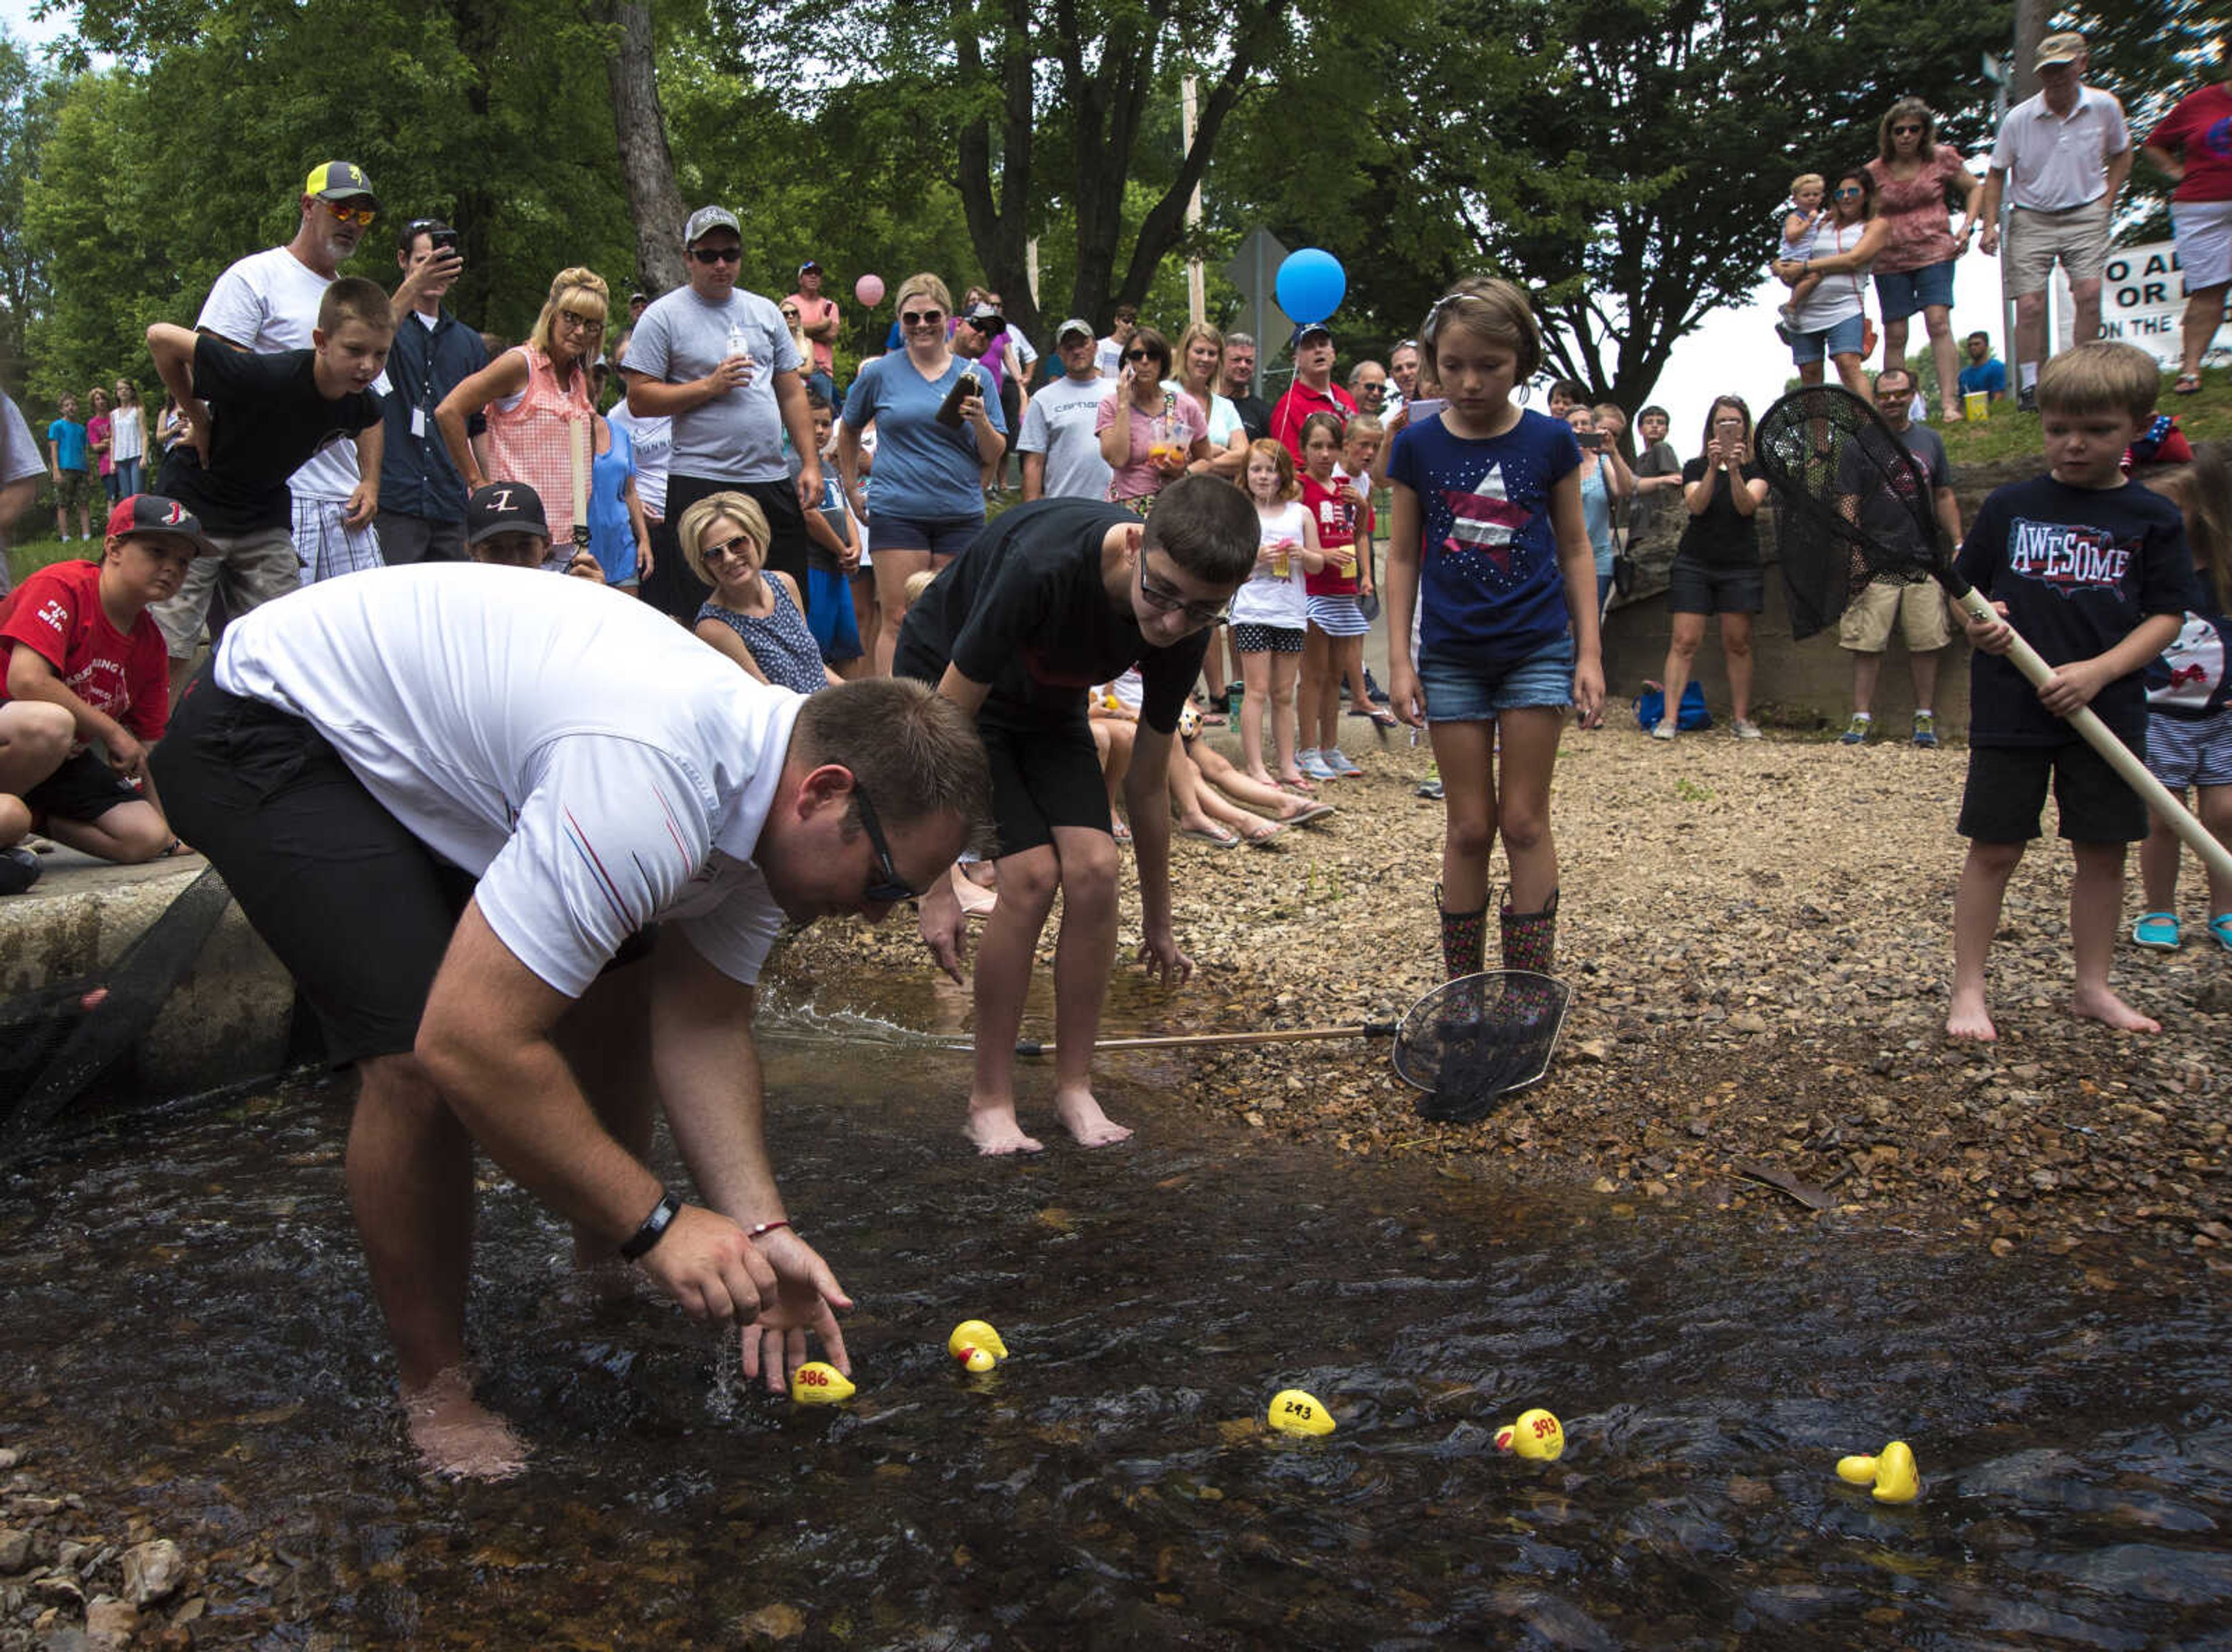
(422, 498)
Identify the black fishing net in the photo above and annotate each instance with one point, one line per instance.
(1472, 1041)
(1854, 505)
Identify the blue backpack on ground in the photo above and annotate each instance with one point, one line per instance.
(1651, 707)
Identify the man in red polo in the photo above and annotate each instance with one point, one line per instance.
(1312, 390)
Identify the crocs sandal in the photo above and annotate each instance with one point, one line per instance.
(2159, 932)
(2220, 927)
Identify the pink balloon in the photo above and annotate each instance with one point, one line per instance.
(869, 289)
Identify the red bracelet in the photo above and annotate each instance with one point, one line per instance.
(766, 1228)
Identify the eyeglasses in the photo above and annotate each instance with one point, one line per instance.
(717, 254)
(921, 318)
(728, 548)
(586, 323)
(358, 215)
(887, 886)
(1897, 130)
(1167, 599)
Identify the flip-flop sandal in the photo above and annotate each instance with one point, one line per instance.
(1315, 811)
(2188, 383)
(2220, 927)
(1383, 717)
(1121, 832)
(1301, 786)
(2159, 932)
(1221, 839)
(1262, 840)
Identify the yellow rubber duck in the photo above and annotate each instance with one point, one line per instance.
(1294, 1411)
(1890, 1471)
(1536, 1435)
(815, 1384)
(976, 1345)
(1897, 1478)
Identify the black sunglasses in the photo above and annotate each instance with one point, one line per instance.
(887, 888)
(921, 318)
(717, 254)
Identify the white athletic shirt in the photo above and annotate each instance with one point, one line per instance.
(267, 302)
(594, 764)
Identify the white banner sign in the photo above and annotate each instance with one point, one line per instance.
(2142, 302)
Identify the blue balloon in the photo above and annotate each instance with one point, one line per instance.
(1310, 285)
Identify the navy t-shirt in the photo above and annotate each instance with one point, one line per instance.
(1490, 589)
(2078, 569)
(1025, 609)
(267, 417)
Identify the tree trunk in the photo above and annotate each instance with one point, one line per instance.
(647, 165)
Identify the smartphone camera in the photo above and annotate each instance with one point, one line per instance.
(441, 239)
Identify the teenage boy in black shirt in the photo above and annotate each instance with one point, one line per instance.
(2093, 571)
(1054, 597)
(252, 420)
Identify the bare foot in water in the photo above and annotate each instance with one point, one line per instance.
(1969, 1019)
(1085, 1120)
(456, 1436)
(2105, 1006)
(995, 1131)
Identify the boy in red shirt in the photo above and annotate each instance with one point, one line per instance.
(85, 662)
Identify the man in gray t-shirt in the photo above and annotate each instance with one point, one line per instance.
(1061, 449)
(721, 364)
(1918, 608)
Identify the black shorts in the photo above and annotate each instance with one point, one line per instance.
(84, 788)
(2006, 794)
(358, 910)
(1043, 776)
(1694, 587)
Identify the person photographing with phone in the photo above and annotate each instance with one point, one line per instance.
(936, 431)
(1151, 431)
(1716, 568)
(422, 517)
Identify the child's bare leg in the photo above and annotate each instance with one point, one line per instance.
(1218, 806)
(1984, 877)
(1218, 772)
(127, 834)
(1315, 682)
(1004, 975)
(1465, 752)
(1183, 782)
(2159, 864)
(1082, 956)
(1804, 289)
(1530, 753)
(2214, 805)
(1283, 670)
(1256, 685)
(2096, 912)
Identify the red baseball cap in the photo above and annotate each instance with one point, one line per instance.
(150, 515)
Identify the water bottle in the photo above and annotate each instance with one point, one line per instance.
(737, 345)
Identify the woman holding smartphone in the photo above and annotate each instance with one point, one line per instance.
(1605, 481)
(936, 434)
(1716, 569)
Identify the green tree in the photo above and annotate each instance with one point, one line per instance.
(1621, 159)
(27, 106)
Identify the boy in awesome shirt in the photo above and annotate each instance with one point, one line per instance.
(2093, 571)
(85, 662)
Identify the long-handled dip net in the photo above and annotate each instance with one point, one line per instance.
(1857, 508)
(1467, 1044)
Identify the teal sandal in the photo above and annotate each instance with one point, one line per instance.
(2220, 927)
(2159, 932)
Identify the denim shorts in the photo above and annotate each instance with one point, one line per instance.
(1458, 692)
(1842, 340)
(1902, 294)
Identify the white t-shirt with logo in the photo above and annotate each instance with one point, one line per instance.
(595, 765)
(1059, 424)
(267, 302)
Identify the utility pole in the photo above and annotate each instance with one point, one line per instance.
(1197, 292)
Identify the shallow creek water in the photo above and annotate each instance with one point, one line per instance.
(188, 1335)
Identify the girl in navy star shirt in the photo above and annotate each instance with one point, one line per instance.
(1489, 548)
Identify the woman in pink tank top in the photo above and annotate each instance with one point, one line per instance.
(536, 397)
